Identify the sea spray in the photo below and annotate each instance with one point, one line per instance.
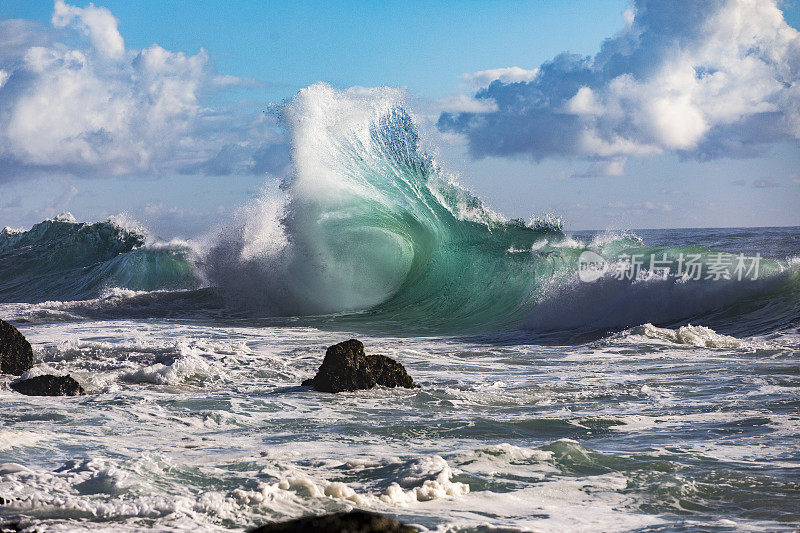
(370, 222)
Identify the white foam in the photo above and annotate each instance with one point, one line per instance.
(66, 216)
(8, 231)
(569, 242)
(181, 369)
(41, 370)
(427, 479)
(596, 503)
(507, 453)
(239, 443)
(12, 468)
(10, 438)
(689, 335)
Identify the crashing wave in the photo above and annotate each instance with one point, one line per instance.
(370, 226)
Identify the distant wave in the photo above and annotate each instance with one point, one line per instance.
(61, 259)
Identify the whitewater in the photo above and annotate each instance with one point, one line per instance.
(547, 402)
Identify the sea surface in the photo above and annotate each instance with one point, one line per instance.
(641, 394)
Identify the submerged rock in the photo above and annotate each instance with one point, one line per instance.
(16, 354)
(352, 522)
(49, 385)
(346, 368)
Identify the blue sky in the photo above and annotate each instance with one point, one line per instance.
(708, 166)
(290, 45)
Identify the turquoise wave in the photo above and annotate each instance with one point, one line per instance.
(61, 259)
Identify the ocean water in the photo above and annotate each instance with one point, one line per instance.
(634, 399)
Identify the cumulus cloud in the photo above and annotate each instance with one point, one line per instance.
(96, 22)
(74, 99)
(700, 79)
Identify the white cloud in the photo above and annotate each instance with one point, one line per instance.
(463, 103)
(628, 16)
(96, 22)
(584, 103)
(87, 105)
(612, 167)
(604, 167)
(700, 79)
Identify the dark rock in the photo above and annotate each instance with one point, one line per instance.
(49, 385)
(16, 354)
(346, 368)
(343, 369)
(388, 372)
(352, 522)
